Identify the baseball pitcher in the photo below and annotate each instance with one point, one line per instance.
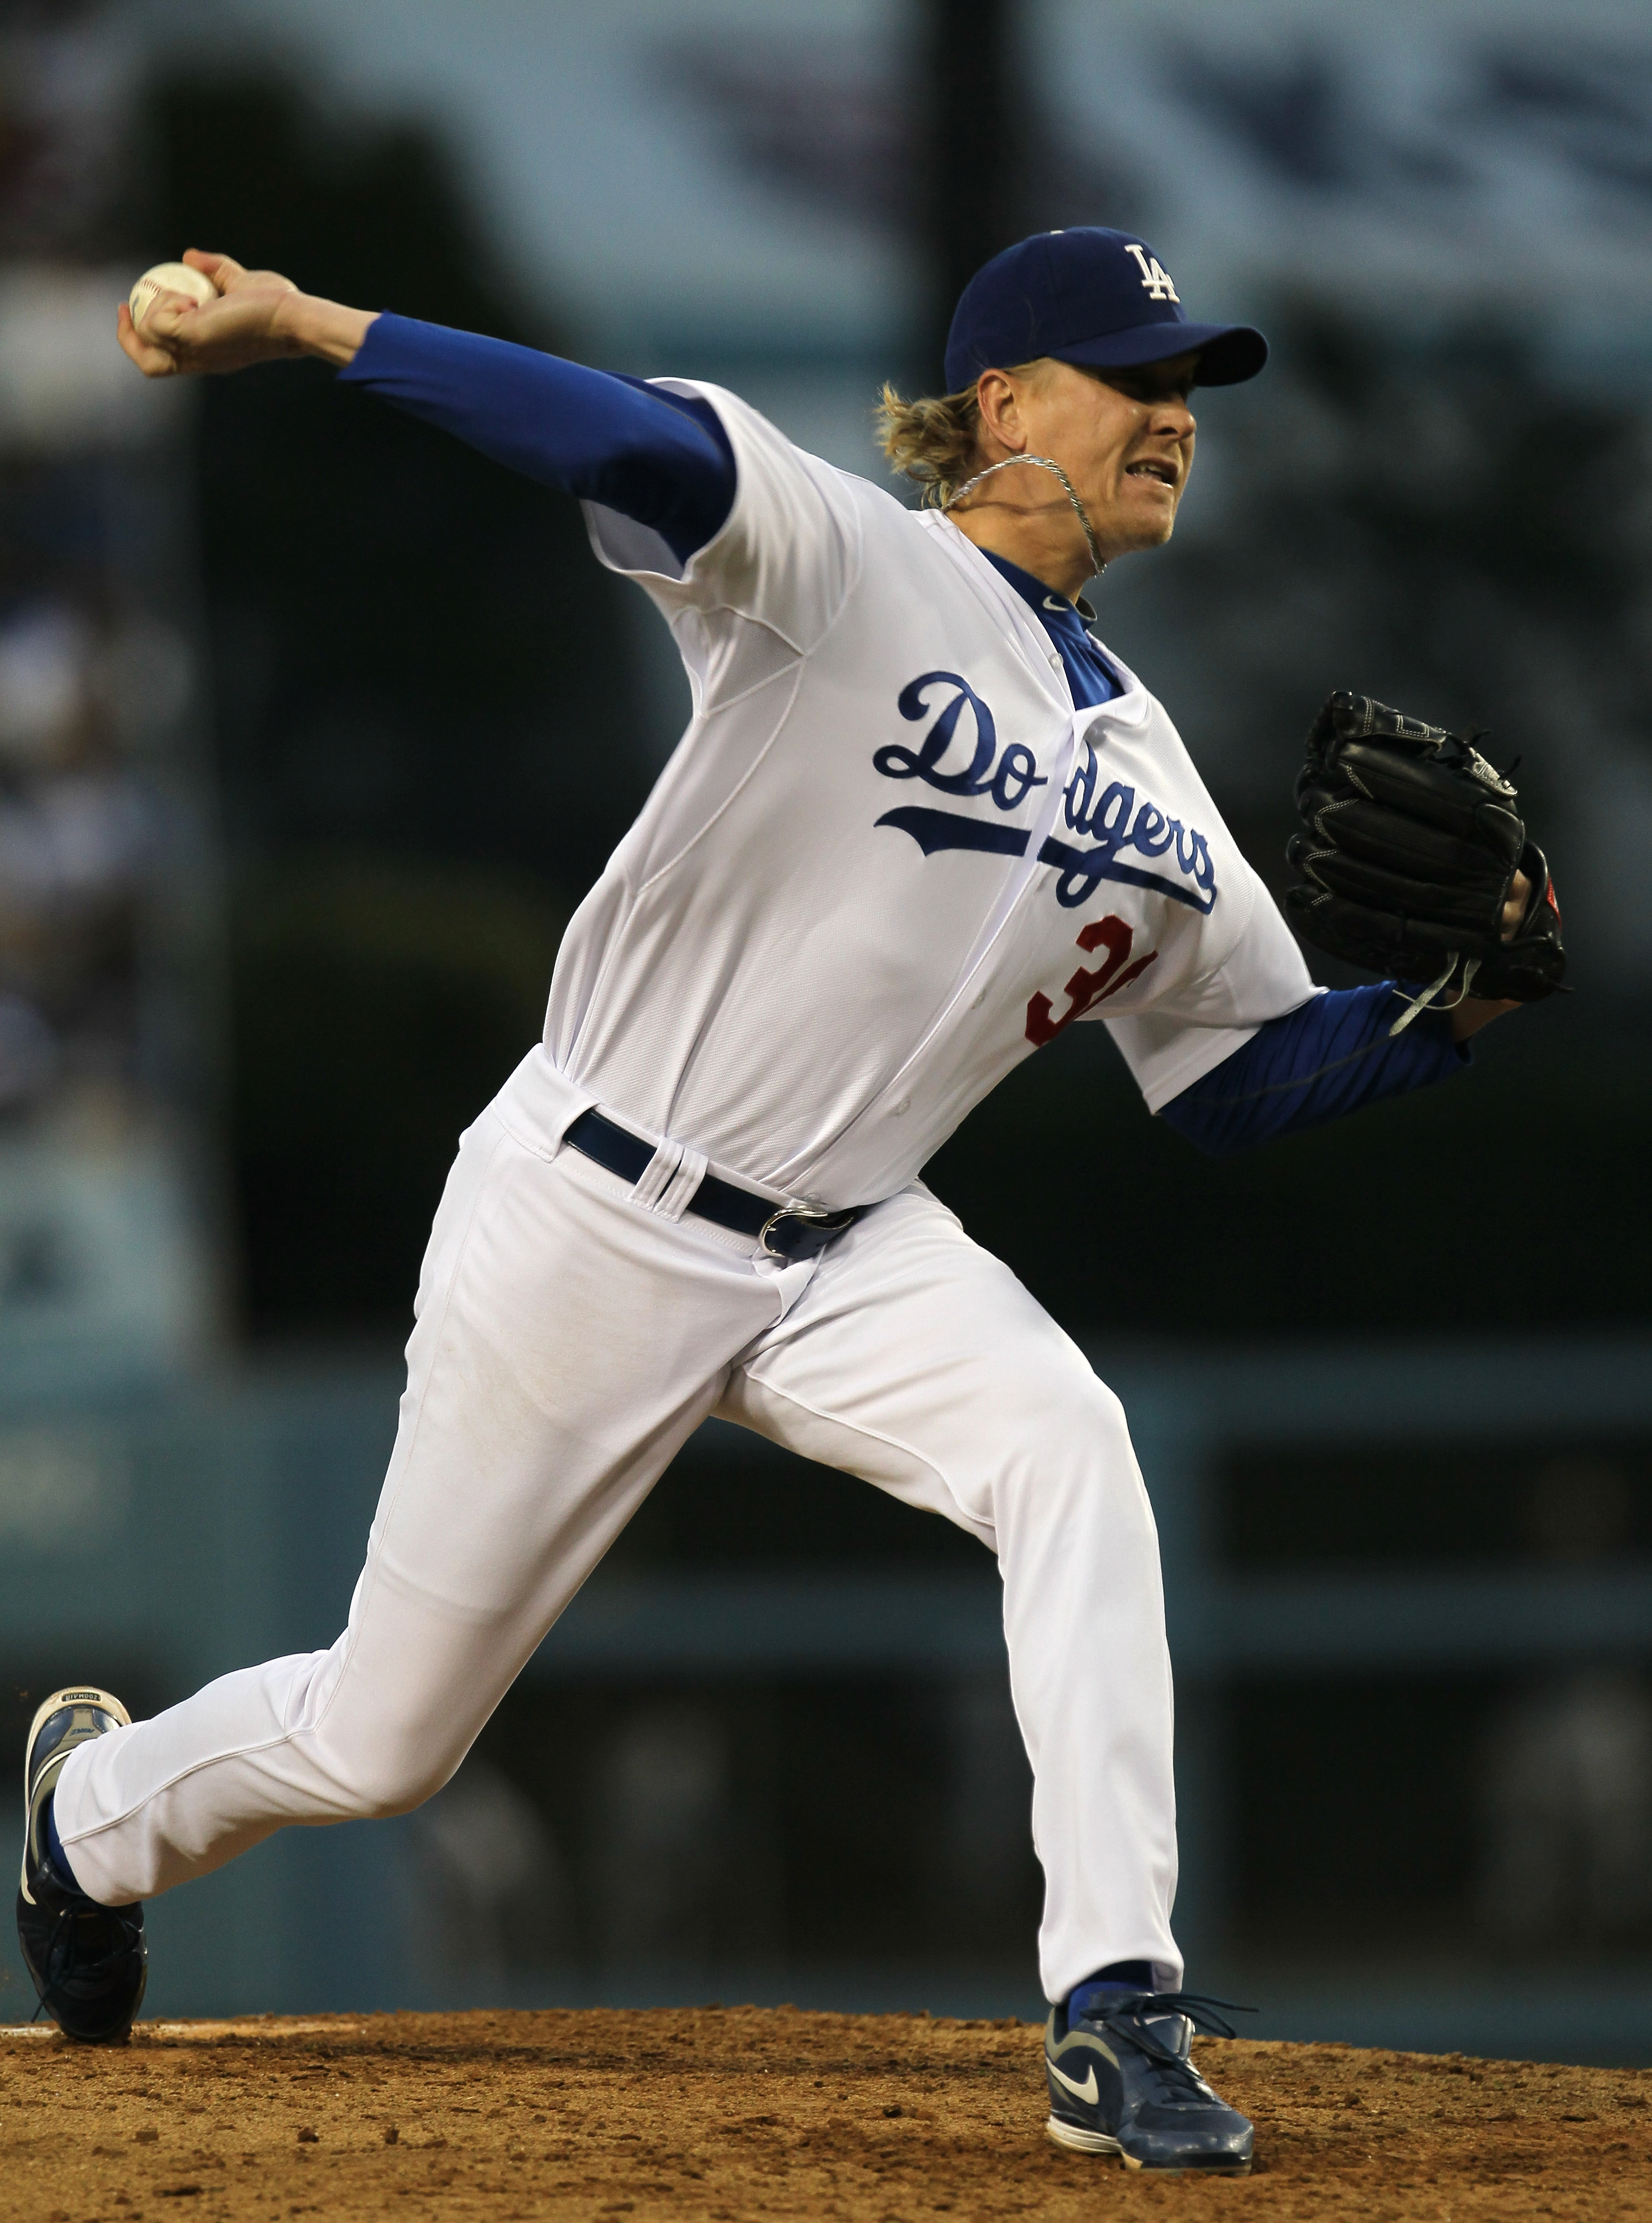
(921, 820)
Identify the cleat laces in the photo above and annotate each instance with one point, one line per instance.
(85, 1953)
(1129, 2017)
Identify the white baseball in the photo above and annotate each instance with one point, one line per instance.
(168, 278)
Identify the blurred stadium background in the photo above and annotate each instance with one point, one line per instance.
(313, 727)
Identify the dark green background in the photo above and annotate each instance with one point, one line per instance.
(426, 715)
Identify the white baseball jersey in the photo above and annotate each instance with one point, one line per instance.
(888, 860)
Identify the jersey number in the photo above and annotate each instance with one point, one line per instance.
(1085, 989)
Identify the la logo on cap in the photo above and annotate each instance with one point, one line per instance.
(1155, 276)
(1091, 296)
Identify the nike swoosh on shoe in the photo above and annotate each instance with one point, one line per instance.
(1089, 2091)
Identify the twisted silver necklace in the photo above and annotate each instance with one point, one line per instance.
(1044, 463)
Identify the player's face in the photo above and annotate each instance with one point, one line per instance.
(1124, 438)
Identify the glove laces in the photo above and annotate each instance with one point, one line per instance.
(1425, 996)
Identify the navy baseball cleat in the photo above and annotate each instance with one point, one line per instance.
(1121, 2081)
(89, 1961)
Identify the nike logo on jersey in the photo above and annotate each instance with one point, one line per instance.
(1110, 823)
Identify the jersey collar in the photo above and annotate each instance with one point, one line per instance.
(1033, 591)
(1026, 627)
(1128, 710)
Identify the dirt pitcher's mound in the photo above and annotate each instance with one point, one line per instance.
(753, 2113)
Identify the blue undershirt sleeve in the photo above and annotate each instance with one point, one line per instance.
(661, 459)
(1313, 1064)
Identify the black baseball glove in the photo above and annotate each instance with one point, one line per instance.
(1412, 845)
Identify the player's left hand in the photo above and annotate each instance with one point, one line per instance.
(249, 321)
(1477, 1011)
(1415, 861)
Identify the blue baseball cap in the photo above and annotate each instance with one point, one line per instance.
(1087, 296)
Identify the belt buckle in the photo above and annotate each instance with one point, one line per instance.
(811, 1215)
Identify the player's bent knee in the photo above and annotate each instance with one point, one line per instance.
(378, 1793)
(1058, 1432)
(1072, 1412)
(389, 1768)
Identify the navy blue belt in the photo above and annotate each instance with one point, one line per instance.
(786, 1230)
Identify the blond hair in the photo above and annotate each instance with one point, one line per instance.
(934, 442)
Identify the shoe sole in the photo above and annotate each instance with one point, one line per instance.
(1080, 2141)
(1075, 2140)
(73, 1694)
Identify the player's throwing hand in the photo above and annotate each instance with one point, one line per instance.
(249, 320)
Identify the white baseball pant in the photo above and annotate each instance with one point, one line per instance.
(569, 1336)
